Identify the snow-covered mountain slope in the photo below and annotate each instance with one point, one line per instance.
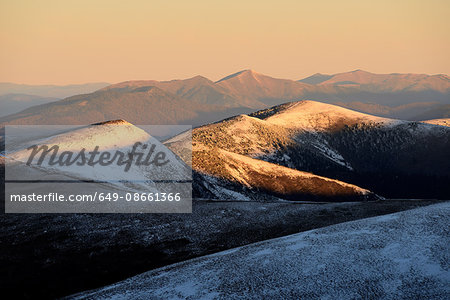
(106, 135)
(316, 116)
(390, 157)
(395, 253)
(265, 131)
(228, 159)
(223, 171)
(108, 138)
(442, 122)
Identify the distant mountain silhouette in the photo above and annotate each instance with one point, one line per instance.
(316, 78)
(13, 103)
(199, 100)
(437, 112)
(139, 105)
(50, 91)
(384, 82)
(410, 111)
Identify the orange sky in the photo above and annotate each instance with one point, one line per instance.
(62, 42)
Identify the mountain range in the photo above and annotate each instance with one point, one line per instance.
(304, 150)
(199, 100)
(276, 150)
(314, 150)
(415, 111)
(17, 97)
(49, 90)
(394, 82)
(13, 103)
(119, 135)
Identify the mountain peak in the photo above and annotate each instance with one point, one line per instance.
(360, 71)
(318, 116)
(316, 78)
(197, 79)
(240, 74)
(113, 122)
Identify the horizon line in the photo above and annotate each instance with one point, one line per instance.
(219, 80)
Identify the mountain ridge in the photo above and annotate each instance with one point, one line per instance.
(389, 157)
(200, 100)
(392, 82)
(49, 90)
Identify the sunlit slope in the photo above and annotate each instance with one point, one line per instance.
(115, 141)
(389, 157)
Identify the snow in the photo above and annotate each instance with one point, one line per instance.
(184, 136)
(316, 116)
(324, 148)
(441, 122)
(110, 137)
(398, 256)
(246, 130)
(106, 136)
(229, 194)
(214, 186)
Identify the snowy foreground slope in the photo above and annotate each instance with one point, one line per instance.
(397, 256)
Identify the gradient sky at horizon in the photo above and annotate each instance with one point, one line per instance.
(63, 42)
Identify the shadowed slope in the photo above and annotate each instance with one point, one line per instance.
(390, 157)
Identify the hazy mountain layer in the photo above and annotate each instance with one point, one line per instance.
(13, 103)
(146, 105)
(198, 100)
(53, 91)
(411, 111)
(438, 112)
(394, 82)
